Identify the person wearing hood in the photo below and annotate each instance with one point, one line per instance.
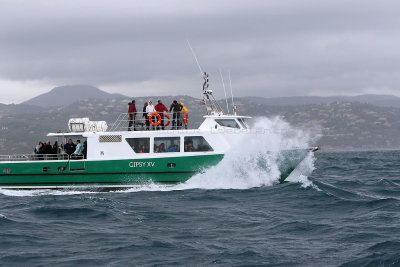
(149, 110)
(132, 115)
(183, 111)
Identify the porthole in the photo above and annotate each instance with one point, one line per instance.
(7, 170)
(171, 165)
(46, 169)
(61, 169)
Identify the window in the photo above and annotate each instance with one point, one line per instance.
(196, 144)
(139, 145)
(227, 123)
(166, 144)
(243, 123)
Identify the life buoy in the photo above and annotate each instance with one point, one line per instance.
(169, 119)
(155, 123)
(186, 118)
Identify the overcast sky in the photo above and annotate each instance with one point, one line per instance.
(137, 48)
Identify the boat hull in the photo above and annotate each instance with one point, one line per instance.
(109, 173)
(121, 173)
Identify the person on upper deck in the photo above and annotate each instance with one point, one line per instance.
(149, 110)
(183, 111)
(132, 115)
(176, 108)
(160, 108)
(145, 115)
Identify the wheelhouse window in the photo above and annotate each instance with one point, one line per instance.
(139, 145)
(243, 123)
(196, 144)
(166, 144)
(231, 123)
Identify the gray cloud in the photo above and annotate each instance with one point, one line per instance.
(273, 48)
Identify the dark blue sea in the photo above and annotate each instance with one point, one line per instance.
(344, 212)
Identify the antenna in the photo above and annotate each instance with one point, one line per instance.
(212, 105)
(195, 57)
(233, 103)
(223, 84)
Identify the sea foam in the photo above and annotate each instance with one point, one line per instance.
(251, 162)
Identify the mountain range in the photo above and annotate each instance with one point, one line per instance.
(345, 123)
(68, 94)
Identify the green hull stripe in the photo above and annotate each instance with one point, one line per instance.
(107, 172)
(94, 173)
(88, 183)
(123, 172)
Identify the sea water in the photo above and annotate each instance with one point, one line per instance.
(337, 208)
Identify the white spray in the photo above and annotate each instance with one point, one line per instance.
(250, 163)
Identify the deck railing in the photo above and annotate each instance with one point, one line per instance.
(34, 157)
(140, 121)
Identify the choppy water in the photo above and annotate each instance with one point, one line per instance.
(346, 212)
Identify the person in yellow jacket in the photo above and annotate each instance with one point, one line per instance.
(183, 111)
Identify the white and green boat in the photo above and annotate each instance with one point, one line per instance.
(119, 158)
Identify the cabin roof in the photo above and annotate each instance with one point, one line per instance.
(226, 116)
(66, 134)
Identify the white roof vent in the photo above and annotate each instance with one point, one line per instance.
(85, 125)
(98, 126)
(78, 124)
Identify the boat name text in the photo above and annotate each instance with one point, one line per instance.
(141, 164)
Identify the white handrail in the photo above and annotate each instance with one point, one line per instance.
(34, 157)
(141, 121)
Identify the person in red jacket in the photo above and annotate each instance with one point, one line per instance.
(160, 108)
(132, 115)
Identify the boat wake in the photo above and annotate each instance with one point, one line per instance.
(252, 162)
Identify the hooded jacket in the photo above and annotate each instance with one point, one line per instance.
(160, 108)
(184, 109)
(132, 109)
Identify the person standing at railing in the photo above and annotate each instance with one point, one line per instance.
(160, 108)
(69, 147)
(184, 111)
(55, 149)
(176, 108)
(39, 151)
(48, 149)
(149, 110)
(132, 115)
(39, 148)
(146, 118)
(79, 149)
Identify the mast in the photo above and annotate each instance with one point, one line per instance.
(213, 107)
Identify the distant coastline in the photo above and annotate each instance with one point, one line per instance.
(345, 126)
